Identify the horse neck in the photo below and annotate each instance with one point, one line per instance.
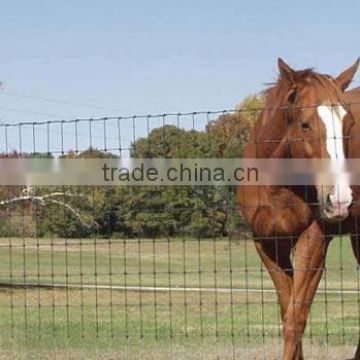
(269, 136)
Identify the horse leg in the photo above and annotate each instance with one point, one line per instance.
(275, 254)
(309, 261)
(355, 243)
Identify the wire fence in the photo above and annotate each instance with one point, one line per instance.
(167, 273)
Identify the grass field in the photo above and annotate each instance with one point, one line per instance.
(109, 323)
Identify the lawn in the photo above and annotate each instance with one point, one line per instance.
(111, 323)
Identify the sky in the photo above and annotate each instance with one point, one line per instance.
(69, 59)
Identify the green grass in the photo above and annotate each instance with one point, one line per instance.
(88, 323)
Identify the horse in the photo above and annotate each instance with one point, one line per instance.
(297, 121)
(352, 149)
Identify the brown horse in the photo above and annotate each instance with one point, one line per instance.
(298, 122)
(352, 149)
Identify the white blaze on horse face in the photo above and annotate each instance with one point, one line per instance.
(332, 117)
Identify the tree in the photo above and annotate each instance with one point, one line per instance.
(150, 211)
(192, 210)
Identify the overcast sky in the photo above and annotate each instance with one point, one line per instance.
(126, 57)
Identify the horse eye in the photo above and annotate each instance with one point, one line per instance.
(305, 126)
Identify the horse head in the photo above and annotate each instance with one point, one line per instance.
(309, 111)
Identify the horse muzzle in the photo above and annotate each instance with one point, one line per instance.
(335, 210)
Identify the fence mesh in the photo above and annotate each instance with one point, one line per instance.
(166, 273)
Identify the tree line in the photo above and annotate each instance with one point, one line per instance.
(140, 211)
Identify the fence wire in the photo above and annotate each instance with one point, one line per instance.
(167, 273)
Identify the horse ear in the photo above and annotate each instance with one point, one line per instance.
(345, 78)
(285, 70)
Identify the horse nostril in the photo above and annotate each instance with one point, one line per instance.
(328, 202)
(328, 199)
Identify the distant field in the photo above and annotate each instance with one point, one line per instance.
(114, 324)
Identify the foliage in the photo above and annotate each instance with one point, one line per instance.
(133, 211)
